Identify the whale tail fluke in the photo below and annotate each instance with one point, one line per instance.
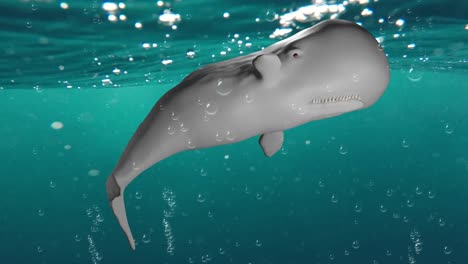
(115, 194)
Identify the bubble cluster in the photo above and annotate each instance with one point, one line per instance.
(169, 197)
(96, 257)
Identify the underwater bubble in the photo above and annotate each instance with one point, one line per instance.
(418, 246)
(211, 108)
(343, 150)
(41, 212)
(259, 196)
(355, 77)
(258, 243)
(67, 147)
(284, 150)
(441, 222)
(321, 183)
(210, 214)
(447, 250)
(418, 190)
(171, 130)
(77, 238)
(183, 128)
(56, 125)
(409, 203)
(229, 136)
(203, 172)
(146, 238)
(414, 74)
(382, 208)
(431, 194)
(201, 198)
(271, 15)
(190, 144)
(219, 137)
(174, 116)
(334, 198)
(307, 142)
(389, 192)
(89, 212)
(39, 249)
(388, 253)
(346, 252)
(168, 213)
(331, 256)
(404, 143)
(357, 208)
(99, 218)
(138, 195)
(93, 172)
(248, 98)
(355, 244)
(223, 90)
(221, 251)
(449, 129)
(96, 208)
(226, 156)
(52, 184)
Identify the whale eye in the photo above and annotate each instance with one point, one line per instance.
(295, 53)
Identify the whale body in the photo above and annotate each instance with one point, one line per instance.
(331, 68)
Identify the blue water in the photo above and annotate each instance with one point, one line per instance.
(387, 184)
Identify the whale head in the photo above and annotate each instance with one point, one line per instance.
(326, 70)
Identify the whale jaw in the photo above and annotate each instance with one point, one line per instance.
(316, 111)
(334, 99)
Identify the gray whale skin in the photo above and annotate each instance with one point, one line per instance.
(331, 68)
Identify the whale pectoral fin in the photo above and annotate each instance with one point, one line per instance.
(271, 142)
(268, 65)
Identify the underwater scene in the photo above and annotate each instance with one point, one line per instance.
(385, 184)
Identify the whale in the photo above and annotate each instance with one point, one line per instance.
(331, 68)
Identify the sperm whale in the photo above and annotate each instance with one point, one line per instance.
(331, 68)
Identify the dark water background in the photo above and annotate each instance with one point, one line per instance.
(388, 184)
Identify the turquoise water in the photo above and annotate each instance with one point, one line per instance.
(388, 184)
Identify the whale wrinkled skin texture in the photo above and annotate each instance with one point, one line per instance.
(326, 70)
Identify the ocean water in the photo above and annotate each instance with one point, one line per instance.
(388, 184)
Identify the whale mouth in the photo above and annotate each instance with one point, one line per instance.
(335, 99)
